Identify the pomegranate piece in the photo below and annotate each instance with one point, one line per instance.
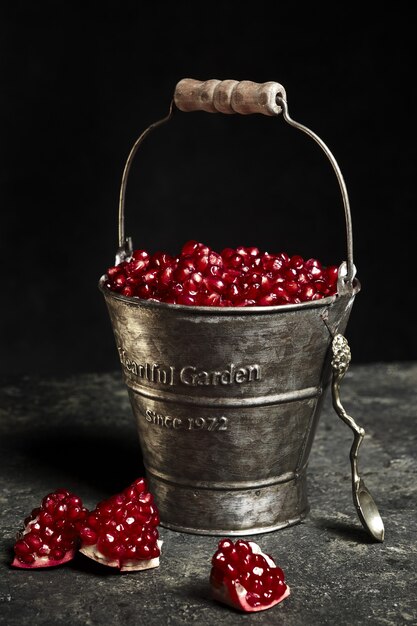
(245, 578)
(122, 530)
(244, 276)
(51, 533)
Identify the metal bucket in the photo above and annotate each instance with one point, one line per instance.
(227, 400)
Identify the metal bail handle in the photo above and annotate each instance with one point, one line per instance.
(232, 96)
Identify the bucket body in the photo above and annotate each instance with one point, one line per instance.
(227, 401)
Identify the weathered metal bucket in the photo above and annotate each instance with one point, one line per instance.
(227, 400)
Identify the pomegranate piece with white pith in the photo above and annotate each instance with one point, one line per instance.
(51, 533)
(245, 578)
(238, 277)
(122, 530)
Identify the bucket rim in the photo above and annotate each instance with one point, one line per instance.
(224, 310)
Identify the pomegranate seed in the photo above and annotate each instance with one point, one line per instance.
(245, 578)
(202, 262)
(241, 276)
(214, 284)
(253, 291)
(136, 539)
(331, 275)
(151, 277)
(50, 536)
(190, 287)
(236, 260)
(119, 281)
(113, 271)
(268, 300)
(291, 287)
(296, 262)
(307, 291)
(189, 248)
(161, 260)
(314, 268)
(230, 276)
(290, 273)
(211, 299)
(214, 270)
(140, 255)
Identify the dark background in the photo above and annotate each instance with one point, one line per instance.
(79, 84)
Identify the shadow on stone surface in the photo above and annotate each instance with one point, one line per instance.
(82, 563)
(344, 530)
(200, 591)
(107, 460)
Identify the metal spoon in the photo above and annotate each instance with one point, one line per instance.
(365, 505)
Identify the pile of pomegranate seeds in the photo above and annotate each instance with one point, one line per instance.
(246, 578)
(122, 530)
(51, 534)
(236, 277)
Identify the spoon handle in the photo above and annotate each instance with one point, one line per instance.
(358, 431)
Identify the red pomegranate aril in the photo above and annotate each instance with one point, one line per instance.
(289, 273)
(283, 256)
(314, 268)
(307, 292)
(50, 536)
(187, 299)
(119, 281)
(254, 277)
(321, 286)
(165, 276)
(303, 278)
(189, 248)
(140, 255)
(245, 578)
(33, 541)
(230, 276)
(201, 262)
(253, 291)
(234, 292)
(226, 253)
(187, 263)
(199, 271)
(247, 251)
(182, 274)
(128, 291)
(161, 260)
(211, 299)
(214, 284)
(271, 263)
(215, 259)
(331, 274)
(131, 545)
(144, 291)
(203, 249)
(296, 262)
(214, 270)
(266, 284)
(269, 299)
(151, 277)
(291, 287)
(112, 272)
(280, 291)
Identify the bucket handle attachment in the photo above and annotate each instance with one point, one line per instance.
(244, 97)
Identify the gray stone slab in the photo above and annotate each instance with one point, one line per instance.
(79, 433)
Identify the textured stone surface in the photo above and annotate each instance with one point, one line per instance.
(80, 433)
